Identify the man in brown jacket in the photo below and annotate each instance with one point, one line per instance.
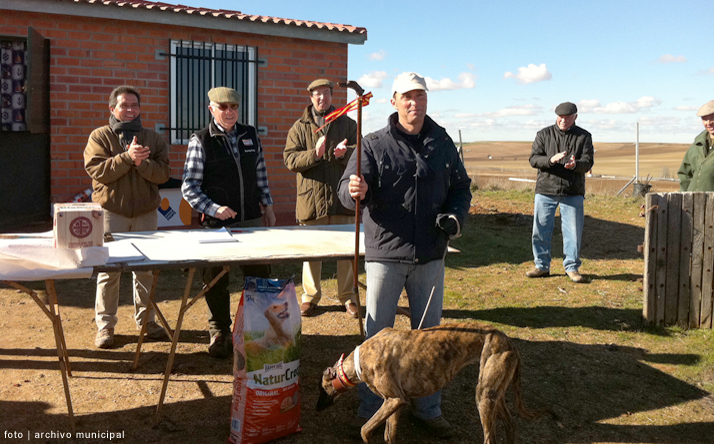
(126, 163)
(319, 159)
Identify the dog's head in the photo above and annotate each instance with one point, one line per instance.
(279, 311)
(334, 382)
(328, 393)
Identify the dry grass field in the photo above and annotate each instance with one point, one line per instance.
(616, 161)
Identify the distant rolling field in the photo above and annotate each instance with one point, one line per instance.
(658, 160)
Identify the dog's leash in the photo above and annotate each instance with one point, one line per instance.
(428, 303)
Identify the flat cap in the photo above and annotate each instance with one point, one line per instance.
(408, 81)
(706, 109)
(320, 82)
(223, 95)
(566, 109)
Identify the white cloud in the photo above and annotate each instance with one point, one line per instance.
(530, 74)
(660, 121)
(708, 72)
(379, 55)
(685, 108)
(511, 111)
(470, 66)
(466, 80)
(587, 106)
(382, 100)
(373, 79)
(642, 104)
(669, 58)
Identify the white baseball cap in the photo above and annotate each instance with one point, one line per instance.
(408, 81)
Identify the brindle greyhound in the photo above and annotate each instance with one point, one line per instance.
(401, 365)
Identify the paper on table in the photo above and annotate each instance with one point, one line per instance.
(216, 236)
(123, 251)
(34, 258)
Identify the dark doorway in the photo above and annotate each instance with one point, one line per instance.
(25, 148)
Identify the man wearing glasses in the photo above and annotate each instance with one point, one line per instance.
(319, 153)
(225, 180)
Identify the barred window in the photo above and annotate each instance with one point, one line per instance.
(196, 68)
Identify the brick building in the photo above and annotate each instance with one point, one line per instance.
(72, 53)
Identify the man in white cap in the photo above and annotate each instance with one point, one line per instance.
(319, 157)
(416, 194)
(225, 180)
(563, 154)
(695, 174)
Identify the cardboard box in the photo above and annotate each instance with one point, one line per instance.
(78, 225)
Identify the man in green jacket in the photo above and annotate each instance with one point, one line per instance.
(319, 158)
(126, 162)
(697, 170)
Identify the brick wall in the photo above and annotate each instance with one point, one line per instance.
(90, 57)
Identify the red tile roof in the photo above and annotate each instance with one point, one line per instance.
(145, 4)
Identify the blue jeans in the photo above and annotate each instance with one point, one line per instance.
(385, 282)
(571, 225)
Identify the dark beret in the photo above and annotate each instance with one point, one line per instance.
(566, 109)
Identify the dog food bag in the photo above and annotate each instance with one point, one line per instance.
(266, 359)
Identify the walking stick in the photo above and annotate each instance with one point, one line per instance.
(355, 263)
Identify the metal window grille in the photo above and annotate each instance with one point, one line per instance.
(196, 68)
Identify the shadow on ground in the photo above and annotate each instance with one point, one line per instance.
(585, 384)
(506, 238)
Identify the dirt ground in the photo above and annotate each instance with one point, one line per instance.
(109, 397)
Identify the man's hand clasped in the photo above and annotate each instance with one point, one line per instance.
(320, 148)
(341, 149)
(138, 152)
(570, 164)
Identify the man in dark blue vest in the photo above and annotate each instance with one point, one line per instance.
(225, 180)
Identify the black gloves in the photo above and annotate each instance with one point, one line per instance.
(448, 224)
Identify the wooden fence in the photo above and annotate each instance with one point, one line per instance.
(679, 259)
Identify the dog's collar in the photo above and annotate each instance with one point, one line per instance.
(342, 383)
(358, 368)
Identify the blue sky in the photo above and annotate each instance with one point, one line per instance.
(496, 70)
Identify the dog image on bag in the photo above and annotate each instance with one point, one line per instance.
(266, 360)
(277, 335)
(401, 365)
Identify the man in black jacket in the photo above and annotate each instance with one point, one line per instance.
(563, 154)
(226, 181)
(416, 194)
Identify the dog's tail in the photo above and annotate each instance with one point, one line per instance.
(524, 411)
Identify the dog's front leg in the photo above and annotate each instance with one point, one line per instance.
(390, 427)
(389, 406)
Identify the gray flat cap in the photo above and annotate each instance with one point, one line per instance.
(566, 109)
(706, 109)
(320, 82)
(223, 95)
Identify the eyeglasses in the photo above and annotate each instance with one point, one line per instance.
(320, 94)
(225, 106)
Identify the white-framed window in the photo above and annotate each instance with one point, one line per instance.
(196, 67)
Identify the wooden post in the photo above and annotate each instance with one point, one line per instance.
(685, 259)
(708, 266)
(661, 260)
(649, 306)
(674, 216)
(695, 297)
